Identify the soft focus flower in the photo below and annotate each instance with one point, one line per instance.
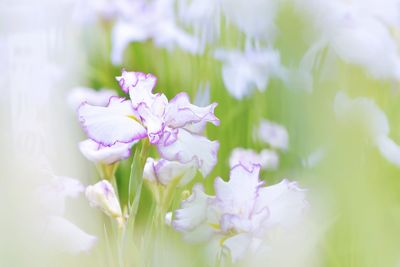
(364, 111)
(175, 126)
(256, 18)
(273, 134)
(141, 20)
(243, 72)
(267, 159)
(164, 171)
(358, 32)
(243, 214)
(78, 95)
(102, 196)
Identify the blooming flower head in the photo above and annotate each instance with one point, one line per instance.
(174, 126)
(242, 214)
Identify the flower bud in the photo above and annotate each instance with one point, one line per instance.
(102, 196)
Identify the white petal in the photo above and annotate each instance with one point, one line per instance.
(238, 246)
(190, 147)
(285, 201)
(273, 134)
(142, 90)
(193, 211)
(105, 154)
(389, 149)
(115, 123)
(65, 236)
(181, 112)
(78, 95)
(238, 195)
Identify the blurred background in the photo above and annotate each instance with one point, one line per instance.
(292, 58)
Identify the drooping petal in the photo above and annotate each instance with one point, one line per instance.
(64, 236)
(164, 171)
(389, 149)
(273, 134)
(180, 112)
(79, 95)
(238, 195)
(117, 122)
(105, 154)
(190, 147)
(102, 196)
(286, 203)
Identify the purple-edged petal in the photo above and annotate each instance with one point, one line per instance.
(180, 112)
(117, 122)
(190, 147)
(268, 159)
(105, 154)
(102, 196)
(142, 90)
(127, 80)
(164, 171)
(238, 195)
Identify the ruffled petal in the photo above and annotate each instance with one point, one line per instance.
(238, 195)
(193, 211)
(78, 95)
(66, 236)
(190, 147)
(268, 159)
(285, 201)
(115, 123)
(105, 154)
(164, 171)
(142, 90)
(180, 112)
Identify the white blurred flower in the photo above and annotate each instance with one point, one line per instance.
(102, 196)
(359, 33)
(256, 18)
(78, 95)
(59, 233)
(243, 72)
(273, 134)
(243, 214)
(149, 20)
(364, 110)
(268, 159)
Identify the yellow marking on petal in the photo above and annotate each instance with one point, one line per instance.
(134, 118)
